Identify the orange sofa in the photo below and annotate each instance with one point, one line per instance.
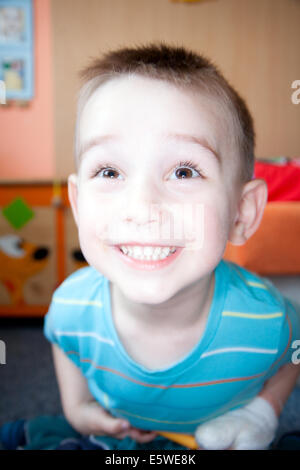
(275, 246)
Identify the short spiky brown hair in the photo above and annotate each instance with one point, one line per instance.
(183, 68)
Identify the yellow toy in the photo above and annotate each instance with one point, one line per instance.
(186, 440)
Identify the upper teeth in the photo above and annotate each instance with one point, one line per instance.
(148, 252)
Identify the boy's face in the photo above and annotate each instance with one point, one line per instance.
(140, 131)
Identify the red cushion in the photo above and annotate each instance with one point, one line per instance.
(283, 179)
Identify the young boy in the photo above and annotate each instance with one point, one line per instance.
(159, 334)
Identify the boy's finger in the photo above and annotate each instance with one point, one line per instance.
(111, 425)
(142, 436)
(121, 435)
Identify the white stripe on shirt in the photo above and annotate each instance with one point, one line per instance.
(82, 334)
(250, 350)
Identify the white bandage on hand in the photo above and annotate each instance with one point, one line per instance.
(252, 427)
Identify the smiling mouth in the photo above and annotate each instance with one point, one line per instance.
(147, 252)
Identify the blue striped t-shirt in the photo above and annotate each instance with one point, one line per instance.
(250, 332)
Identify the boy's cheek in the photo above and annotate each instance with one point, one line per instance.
(92, 213)
(215, 230)
(94, 249)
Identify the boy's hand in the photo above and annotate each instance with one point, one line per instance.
(252, 427)
(91, 418)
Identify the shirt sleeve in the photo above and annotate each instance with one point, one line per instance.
(53, 324)
(289, 341)
(64, 318)
(59, 329)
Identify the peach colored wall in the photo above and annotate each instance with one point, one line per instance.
(255, 43)
(26, 134)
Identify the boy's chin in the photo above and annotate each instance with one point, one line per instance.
(143, 294)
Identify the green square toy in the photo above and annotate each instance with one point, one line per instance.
(18, 213)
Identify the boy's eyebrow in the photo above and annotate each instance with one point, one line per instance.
(202, 141)
(95, 141)
(103, 139)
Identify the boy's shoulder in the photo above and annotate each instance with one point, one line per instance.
(76, 302)
(246, 287)
(81, 281)
(85, 289)
(256, 313)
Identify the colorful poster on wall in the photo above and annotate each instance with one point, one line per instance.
(27, 258)
(30, 266)
(16, 49)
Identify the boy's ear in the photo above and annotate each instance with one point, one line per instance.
(73, 195)
(251, 208)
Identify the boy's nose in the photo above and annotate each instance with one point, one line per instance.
(142, 204)
(142, 213)
(142, 219)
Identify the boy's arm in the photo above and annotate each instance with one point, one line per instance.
(71, 383)
(81, 409)
(278, 388)
(253, 426)
(79, 406)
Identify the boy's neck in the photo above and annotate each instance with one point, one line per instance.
(182, 311)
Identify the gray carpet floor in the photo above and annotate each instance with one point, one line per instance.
(28, 386)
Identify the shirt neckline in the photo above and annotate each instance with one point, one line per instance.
(213, 320)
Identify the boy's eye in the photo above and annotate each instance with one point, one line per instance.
(187, 170)
(106, 172)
